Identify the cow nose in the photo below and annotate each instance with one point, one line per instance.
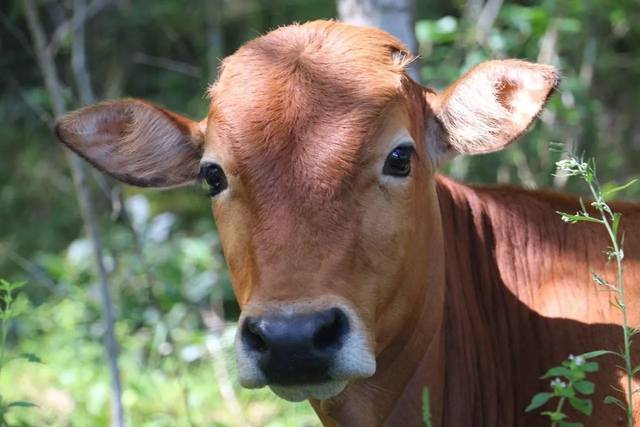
(298, 348)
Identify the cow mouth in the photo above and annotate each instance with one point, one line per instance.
(298, 393)
(301, 353)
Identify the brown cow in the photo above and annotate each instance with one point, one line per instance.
(364, 276)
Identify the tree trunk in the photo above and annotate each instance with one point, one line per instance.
(56, 97)
(397, 17)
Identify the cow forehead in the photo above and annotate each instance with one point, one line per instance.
(296, 106)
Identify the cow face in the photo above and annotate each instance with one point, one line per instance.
(319, 154)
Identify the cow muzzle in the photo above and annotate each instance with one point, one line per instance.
(302, 354)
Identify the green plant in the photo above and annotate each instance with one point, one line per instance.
(569, 382)
(426, 408)
(610, 220)
(8, 311)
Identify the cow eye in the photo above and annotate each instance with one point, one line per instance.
(398, 162)
(214, 177)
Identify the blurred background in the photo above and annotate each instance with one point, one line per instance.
(141, 271)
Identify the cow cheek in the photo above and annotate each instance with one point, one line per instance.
(383, 252)
(234, 228)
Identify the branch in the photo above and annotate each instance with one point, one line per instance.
(71, 26)
(56, 97)
(168, 64)
(486, 19)
(78, 56)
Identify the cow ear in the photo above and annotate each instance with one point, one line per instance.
(488, 108)
(136, 142)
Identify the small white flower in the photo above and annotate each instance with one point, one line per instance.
(572, 166)
(557, 382)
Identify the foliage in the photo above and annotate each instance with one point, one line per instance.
(610, 220)
(575, 369)
(8, 311)
(72, 388)
(426, 408)
(569, 382)
(588, 41)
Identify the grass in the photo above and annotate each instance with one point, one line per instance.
(71, 386)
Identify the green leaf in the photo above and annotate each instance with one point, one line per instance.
(565, 392)
(590, 367)
(608, 400)
(609, 193)
(584, 208)
(557, 371)
(616, 222)
(596, 353)
(583, 405)
(599, 280)
(538, 400)
(9, 287)
(21, 404)
(555, 416)
(568, 424)
(572, 219)
(426, 408)
(584, 387)
(29, 357)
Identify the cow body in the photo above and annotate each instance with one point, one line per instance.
(520, 299)
(363, 276)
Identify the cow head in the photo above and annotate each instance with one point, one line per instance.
(319, 153)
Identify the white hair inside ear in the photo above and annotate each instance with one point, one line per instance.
(487, 108)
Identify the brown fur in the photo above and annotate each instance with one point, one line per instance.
(135, 141)
(520, 300)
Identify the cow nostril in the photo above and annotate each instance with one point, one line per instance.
(331, 334)
(252, 336)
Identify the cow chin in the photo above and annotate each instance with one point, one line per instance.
(322, 391)
(354, 363)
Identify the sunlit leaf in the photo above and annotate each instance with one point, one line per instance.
(611, 192)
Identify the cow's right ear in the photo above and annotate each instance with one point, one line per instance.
(136, 142)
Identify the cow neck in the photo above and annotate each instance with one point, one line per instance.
(413, 361)
(504, 262)
(477, 316)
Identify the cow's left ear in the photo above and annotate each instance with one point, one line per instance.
(487, 108)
